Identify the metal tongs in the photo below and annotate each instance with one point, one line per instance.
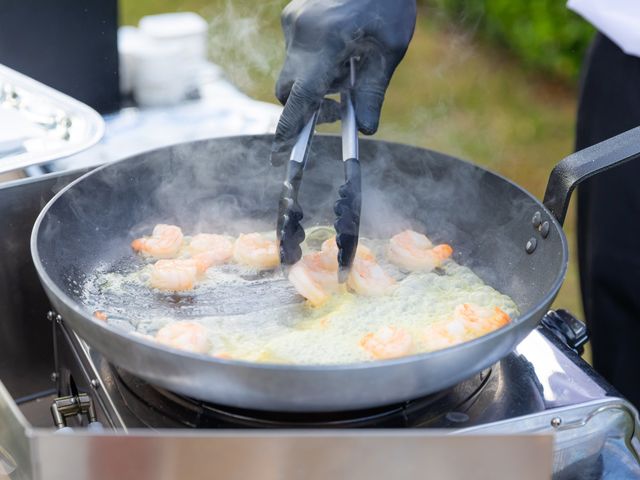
(347, 208)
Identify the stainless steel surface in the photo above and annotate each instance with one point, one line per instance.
(305, 388)
(295, 455)
(15, 453)
(67, 126)
(300, 150)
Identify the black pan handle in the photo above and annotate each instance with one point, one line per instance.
(583, 164)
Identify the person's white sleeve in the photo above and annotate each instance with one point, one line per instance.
(617, 19)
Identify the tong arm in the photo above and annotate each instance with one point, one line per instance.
(289, 231)
(349, 204)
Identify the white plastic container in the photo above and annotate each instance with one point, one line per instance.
(160, 77)
(161, 60)
(187, 31)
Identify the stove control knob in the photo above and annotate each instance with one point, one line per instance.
(566, 327)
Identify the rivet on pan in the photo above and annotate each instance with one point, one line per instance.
(531, 245)
(537, 219)
(54, 376)
(58, 319)
(50, 315)
(544, 229)
(95, 383)
(556, 422)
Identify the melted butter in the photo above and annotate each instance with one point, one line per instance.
(258, 316)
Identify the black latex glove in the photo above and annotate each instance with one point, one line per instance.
(321, 36)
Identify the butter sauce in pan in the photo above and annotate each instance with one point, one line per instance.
(240, 305)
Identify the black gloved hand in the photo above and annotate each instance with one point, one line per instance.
(321, 36)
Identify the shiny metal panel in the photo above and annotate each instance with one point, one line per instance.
(15, 458)
(562, 376)
(288, 456)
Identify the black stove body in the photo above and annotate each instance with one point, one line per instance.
(542, 387)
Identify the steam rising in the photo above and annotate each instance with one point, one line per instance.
(242, 41)
(228, 186)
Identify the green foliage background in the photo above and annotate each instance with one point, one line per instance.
(543, 34)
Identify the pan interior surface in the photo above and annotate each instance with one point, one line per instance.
(227, 185)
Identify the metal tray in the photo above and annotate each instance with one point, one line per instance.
(46, 125)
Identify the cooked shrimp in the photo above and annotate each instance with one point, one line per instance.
(256, 251)
(174, 275)
(315, 278)
(368, 278)
(209, 250)
(100, 315)
(414, 251)
(481, 320)
(387, 342)
(165, 242)
(468, 322)
(189, 336)
(445, 334)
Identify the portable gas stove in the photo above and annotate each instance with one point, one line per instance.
(95, 420)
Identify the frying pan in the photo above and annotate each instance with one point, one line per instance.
(514, 242)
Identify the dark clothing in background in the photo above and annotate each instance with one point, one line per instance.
(70, 45)
(609, 218)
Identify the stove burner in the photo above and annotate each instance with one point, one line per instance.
(155, 407)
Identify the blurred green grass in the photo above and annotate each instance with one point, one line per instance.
(544, 34)
(452, 93)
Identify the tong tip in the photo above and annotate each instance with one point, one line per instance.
(343, 274)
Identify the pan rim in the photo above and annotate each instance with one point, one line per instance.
(310, 368)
